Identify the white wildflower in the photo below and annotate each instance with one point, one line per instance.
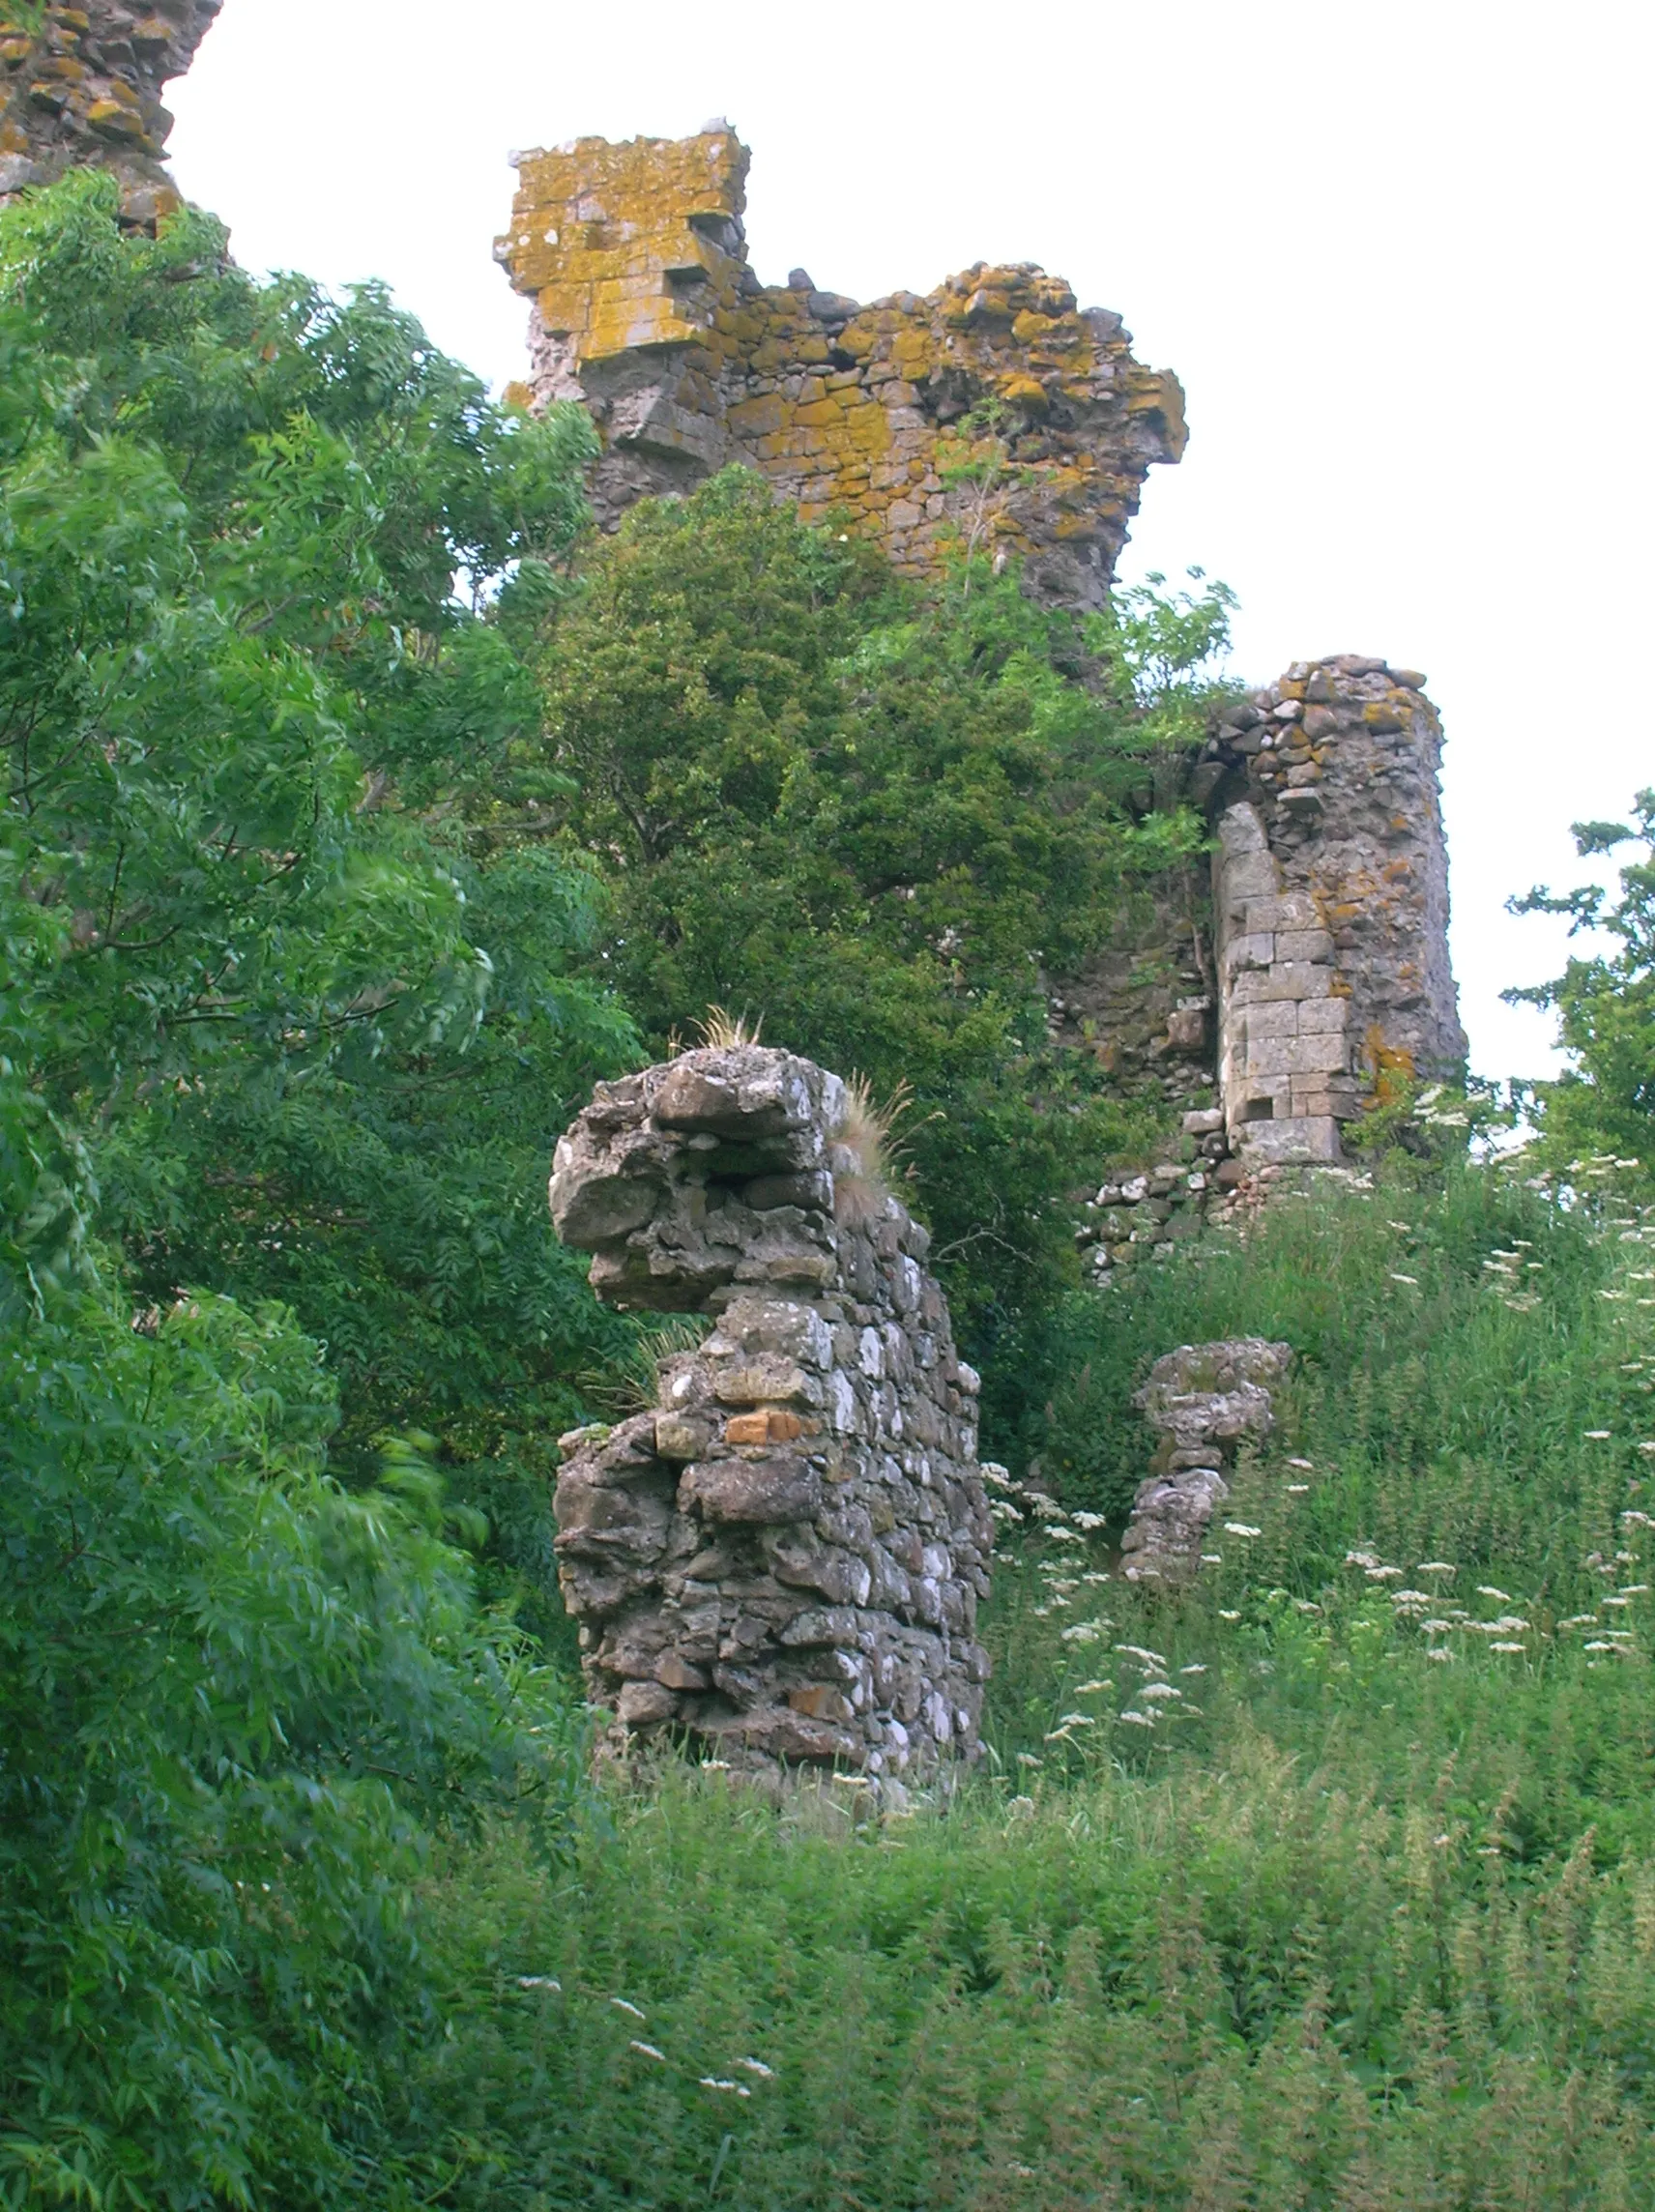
(1143, 1651)
(1508, 1646)
(1138, 1720)
(631, 2010)
(1499, 1596)
(1152, 1690)
(1383, 1574)
(1297, 1489)
(539, 1982)
(1441, 1651)
(1241, 1528)
(756, 2066)
(1412, 1281)
(1306, 1466)
(646, 2051)
(1597, 1436)
(729, 2088)
(1195, 1669)
(1436, 1567)
(1224, 1616)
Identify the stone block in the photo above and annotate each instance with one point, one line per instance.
(1276, 1018)
(1291, 909)
(1304, 944)
(1308, 1139)
(1250, 876)
(1322, 1015)
(772, 1426)
(1296, 1054)
(1255, 948)
(1288, 979)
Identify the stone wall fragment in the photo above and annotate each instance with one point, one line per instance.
(784, 1557)
(82, 88)
(1204, 1401)
(1330, 896)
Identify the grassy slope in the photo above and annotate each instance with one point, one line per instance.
(1368, 1929)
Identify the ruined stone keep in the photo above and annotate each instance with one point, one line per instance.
(784, 1553)
(644, 309)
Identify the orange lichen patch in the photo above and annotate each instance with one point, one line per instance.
(1394, 1067)
(772, 1426)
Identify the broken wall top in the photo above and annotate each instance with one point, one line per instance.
(991, 409)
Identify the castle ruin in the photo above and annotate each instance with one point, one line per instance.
(995, 413)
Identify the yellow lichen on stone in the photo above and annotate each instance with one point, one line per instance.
(605, 237)
(646, 310)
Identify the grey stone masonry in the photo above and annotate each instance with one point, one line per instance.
(1330, 893)
(784, 1556)
(1204, 1400)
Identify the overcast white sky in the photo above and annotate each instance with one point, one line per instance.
(1399, 254)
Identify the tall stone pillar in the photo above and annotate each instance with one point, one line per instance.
(1330, 891)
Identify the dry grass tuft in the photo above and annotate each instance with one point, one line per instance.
(865, 1150)
(722, 1030)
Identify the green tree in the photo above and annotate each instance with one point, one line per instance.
(875, 817)
(319, 1045)
(1606, 1002)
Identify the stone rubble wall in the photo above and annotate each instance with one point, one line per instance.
(783, 1557)
(644, 309)
(84, 88)
(1205, 1401)
(1330, 894)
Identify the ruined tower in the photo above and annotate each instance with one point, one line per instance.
(991, 410)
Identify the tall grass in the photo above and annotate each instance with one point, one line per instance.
(1294, 1891)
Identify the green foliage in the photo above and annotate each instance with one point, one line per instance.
(874, 818)
(320, 1047)
(1290, 1889)
(235, 1705)
(1606, 1104)
(252, 1026)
